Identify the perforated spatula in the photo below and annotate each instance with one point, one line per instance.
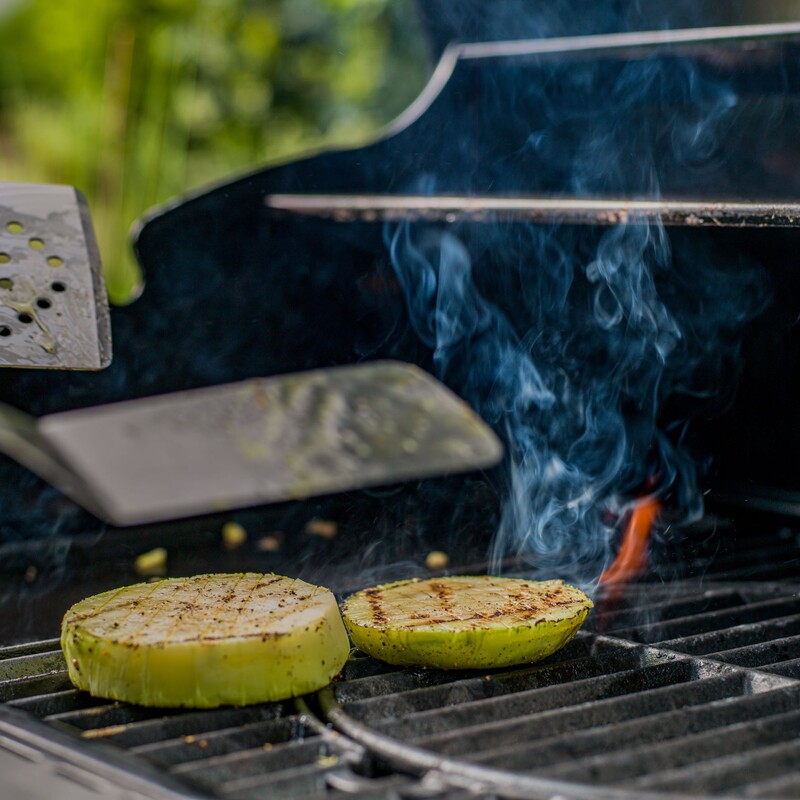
(53, 305)
(259, 441)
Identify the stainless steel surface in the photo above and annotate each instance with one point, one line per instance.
(37, 763)
(570, 211)
(259, 441)
(53, 304)
(596, 44)
(21, 440)
(682, 40)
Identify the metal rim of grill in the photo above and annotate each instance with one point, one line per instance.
(692, 692)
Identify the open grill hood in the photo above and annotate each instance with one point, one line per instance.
(233, 282)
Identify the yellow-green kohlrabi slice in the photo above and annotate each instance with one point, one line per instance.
(205, 641)
(465, 622)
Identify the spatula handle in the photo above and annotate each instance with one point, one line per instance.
(21, 441)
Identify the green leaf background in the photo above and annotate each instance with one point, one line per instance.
(137, 101)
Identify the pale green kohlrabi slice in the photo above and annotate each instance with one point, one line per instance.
(205, 641)
(465, 622)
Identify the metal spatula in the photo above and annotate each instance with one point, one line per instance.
(259, 441)
(53, 305)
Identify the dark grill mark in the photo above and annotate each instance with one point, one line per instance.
(444, 594)
(523, 603)
(374, 599)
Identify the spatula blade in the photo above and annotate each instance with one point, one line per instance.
(268, 440)
(53, 304)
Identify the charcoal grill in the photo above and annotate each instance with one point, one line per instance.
(689, 688)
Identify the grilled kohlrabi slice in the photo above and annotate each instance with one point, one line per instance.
(205, 641)
(465, 622)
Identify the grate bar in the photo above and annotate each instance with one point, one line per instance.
(396, 681)
(727, 710)
(506, 709)
(26, 666)
(30, 670)
(28, 649)
(781, 569)
(788, 669)
(296, 781)
(762, 654)
(667, 608)
(708, 644)
(90, 720)
(730, 771)
(193, 723)
(221, 742)
(687, 751)
(387, 684)
(716, 621)
(360, 666)
(476, 738)
(57, 702)
(781, 787)
(746, 552)
(255, 761)
(19, 688)
(491, 687)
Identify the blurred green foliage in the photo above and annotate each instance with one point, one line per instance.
(136, 101)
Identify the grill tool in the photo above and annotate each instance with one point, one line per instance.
(53, 305)
(538, 210)
(258, 441)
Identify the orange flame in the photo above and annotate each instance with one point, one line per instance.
(632, 556)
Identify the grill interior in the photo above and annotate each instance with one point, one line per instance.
(683, 689)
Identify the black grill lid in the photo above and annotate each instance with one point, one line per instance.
(232, 286)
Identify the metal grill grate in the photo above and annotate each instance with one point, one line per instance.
(685, 692)
(689, 692)
(243, 752)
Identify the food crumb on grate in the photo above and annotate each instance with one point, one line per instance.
(233, 535)
(152, 563)
(270, 543)
(324, 528)
(437, 559)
